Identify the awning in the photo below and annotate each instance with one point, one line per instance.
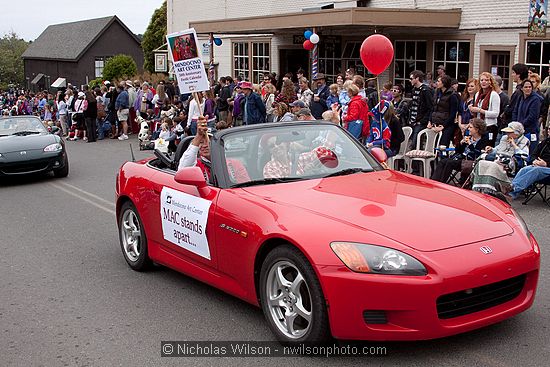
(37, 78)
(335, 19)
(60, 83)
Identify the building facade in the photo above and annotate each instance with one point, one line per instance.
(77, 51)
(467, 36)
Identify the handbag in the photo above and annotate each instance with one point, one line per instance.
(78, 117)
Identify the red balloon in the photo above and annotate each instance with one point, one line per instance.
(308, 45)
(377, 53)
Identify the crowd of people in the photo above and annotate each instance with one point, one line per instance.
(479, 122)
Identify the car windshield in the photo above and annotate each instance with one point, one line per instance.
(293, 152)
(21, 125)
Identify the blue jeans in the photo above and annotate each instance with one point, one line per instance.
(104, 130)
(526, 177)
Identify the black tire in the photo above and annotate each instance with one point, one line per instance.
(135, 252)
(290, 260)
(64, 171)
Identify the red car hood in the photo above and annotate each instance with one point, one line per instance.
(416, 212)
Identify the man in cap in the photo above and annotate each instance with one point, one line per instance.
(440, 71)
(320, 95)
(296, 106)
(513, 143)
(253, 107)
(304, 114)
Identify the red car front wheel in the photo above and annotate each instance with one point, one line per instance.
(291, 297)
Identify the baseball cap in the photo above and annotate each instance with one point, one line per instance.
(297, 103)
(514, 127)
(303, 112)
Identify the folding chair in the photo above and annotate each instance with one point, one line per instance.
(403, 148)
(539, 188)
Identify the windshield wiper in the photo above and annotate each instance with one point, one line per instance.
(348, 171)
(267, 181)
(26, 132)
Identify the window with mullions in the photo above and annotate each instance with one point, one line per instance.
(537, 56)
(251, 60)
(260, 61)
(409, 56)
(351, 58)
(330, 62)
(241, 60)
(99, 65)
(455, 56)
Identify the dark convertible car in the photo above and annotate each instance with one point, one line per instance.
(26, 147)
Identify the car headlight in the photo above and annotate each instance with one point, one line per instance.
(522, 223)
(53, 148)
(363, 258)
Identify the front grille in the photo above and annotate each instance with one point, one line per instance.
(25, 168)
(375, 317)
(480, 298)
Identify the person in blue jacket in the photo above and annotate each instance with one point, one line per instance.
(253, 108)
(527, 111)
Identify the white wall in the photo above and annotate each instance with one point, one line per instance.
(476, 14)
(493, 22)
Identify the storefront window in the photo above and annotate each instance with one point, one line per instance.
(409, 56)
(330, 62)
(351, 58)
(251, 65)
(455, 56)
(241, 60)
(537, 57)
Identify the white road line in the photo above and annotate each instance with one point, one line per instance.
(110, 203)
(108, 210)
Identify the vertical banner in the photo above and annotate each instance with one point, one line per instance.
(188, 65)
(537, 18)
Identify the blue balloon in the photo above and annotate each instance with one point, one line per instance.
(218, 41)
(308, 34)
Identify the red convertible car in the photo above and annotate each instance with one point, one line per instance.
(301, 220)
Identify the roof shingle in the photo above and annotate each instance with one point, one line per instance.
(66, 41)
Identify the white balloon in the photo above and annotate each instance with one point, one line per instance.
(314, 38)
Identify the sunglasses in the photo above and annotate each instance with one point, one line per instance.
(395, 90)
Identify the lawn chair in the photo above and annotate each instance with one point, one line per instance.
(403, 148)
(424, 155)
(539, 188)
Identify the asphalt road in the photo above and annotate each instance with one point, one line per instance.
(69, 299)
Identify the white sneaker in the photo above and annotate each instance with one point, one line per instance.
(123, 137)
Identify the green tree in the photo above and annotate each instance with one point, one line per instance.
(118, 67)
(154, 36)
(11, 63)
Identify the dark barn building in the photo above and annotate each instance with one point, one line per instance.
(77, 51)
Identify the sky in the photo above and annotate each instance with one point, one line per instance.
(35, 16)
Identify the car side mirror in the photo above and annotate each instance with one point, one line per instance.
(193, 176)
(54, 130)
(380, 155)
